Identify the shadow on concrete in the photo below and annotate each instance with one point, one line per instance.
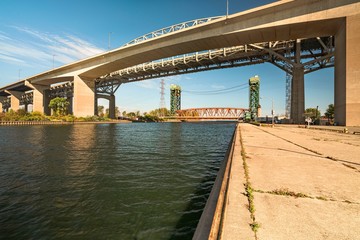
(319, 155)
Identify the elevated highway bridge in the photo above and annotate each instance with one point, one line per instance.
(296, 36)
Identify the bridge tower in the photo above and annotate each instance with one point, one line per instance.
(254, 96)
(175, 98)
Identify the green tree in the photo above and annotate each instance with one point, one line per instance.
(160, 112)
(330, 111)
(59, 106)
(124, 113)
(100, 109)
(117, 112)
(131, 115)
(313, 113)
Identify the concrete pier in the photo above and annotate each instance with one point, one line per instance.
(304, 185)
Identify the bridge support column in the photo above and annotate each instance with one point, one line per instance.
(347, 73)
(297, 89)
(84, 97)
(111, 99)
(15, 99)
(41, 98)
(298, 96)
(112, 106)
(1, 106)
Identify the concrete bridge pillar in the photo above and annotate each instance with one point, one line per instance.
(84, 97)
(41, 98)
(111, 99)
(1, 106)
(347, 72)
(298, 89)
(15, 99)
(112, 106)
(298, 95)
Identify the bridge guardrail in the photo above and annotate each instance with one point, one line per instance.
(18, 123)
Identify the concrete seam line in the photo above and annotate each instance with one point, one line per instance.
(248, 189)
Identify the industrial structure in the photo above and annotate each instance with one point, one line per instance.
(298, 37)
(254, 97)
(175, 98)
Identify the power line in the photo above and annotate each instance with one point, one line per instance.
(220, 91)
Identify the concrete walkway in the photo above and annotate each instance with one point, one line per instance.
(306, 185)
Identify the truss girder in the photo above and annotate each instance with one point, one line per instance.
(314, 57)
(6, 103)
(107, 87)
(171, 29)
(27, 98)
(65, 90)
(212, 113)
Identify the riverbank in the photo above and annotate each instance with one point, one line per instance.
(300, 184)
(21, 123)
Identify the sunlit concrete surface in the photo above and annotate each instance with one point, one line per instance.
(306, 183)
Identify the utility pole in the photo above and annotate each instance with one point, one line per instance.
(272, 110)
(109, 36)
(227, 8)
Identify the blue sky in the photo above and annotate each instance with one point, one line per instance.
(37, 35)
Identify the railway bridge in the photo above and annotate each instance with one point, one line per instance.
(296, 36)
(211, 114)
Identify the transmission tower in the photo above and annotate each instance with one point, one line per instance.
(254, 97)
(162, 98)
(175, 98)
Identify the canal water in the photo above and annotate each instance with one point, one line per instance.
(108, 181)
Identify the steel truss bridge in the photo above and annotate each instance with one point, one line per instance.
(316, 53)
(211, 114)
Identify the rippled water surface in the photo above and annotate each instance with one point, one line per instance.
(107, 181)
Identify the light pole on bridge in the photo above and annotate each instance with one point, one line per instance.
(109, 37)
(227, 8)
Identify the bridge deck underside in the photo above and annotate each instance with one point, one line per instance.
(317, 53)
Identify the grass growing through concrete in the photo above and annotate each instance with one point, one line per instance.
(287, 192)
(249, 190)
(255, 226)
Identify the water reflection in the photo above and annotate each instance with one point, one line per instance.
(106, 181)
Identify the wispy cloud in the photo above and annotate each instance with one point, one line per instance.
(217, 87)
(149, 84)
(155, 83)
(30, 47)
